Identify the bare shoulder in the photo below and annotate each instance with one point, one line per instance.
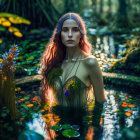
(91, 61)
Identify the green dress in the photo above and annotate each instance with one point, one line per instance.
(73, 93)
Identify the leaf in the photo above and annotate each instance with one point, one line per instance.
(75, 127)
(128, 114)
(10, 128)
(26, 97)
(2, 29)
(56, 127)
(15, 17)
(70, 133)
(3, 114)
(66, 126)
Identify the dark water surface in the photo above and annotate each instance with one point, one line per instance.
(119, 113)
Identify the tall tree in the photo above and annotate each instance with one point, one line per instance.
(101, 6)
(122, 20)
(94, 5)
(109, 8)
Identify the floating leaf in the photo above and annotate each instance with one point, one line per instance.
(30, 105)
(10, 128)
(22, 99)
(75, 127)
(124, 104)
(18, 34)
(66, 126)
(56, 127)
(70, 133)
(126, 109)
(128, 114)
(26, 97)
(3, 114)
(130, 105)
(13, 29)
(130, 111)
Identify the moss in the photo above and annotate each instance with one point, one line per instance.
(130, 64)
(75, 85)
(53, 75)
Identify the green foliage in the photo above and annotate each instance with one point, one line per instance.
(66, 126)
(70, 133)
(56, 127)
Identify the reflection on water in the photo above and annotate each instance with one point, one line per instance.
(119, 112)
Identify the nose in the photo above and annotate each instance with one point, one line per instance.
(70, 33)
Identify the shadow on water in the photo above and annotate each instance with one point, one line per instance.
(119, 113)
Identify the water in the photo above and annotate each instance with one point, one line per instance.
(119, 113)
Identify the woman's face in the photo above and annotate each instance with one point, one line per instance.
(70, 33)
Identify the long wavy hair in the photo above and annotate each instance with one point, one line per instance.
(55, 51)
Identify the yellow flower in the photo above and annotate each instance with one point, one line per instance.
(6, 23)
(15, 20)
(13, 29)
(18, 34)
(4, 78)
(37, 64)
(2, 19)
(18, 89)
(0, 41)
(1, 60)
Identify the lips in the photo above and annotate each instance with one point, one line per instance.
(70, 41)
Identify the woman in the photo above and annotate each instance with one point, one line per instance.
(71, 74)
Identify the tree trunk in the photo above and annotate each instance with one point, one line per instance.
(94, 5)
(109, 8)
(101, 6)
(122, 16)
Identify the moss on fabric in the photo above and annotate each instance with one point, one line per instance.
(74, 86)
(53, 75)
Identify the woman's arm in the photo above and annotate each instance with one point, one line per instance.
(96, 78)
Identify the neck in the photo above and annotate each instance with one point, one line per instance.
(73, 52)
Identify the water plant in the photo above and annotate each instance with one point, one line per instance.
(7, 80)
